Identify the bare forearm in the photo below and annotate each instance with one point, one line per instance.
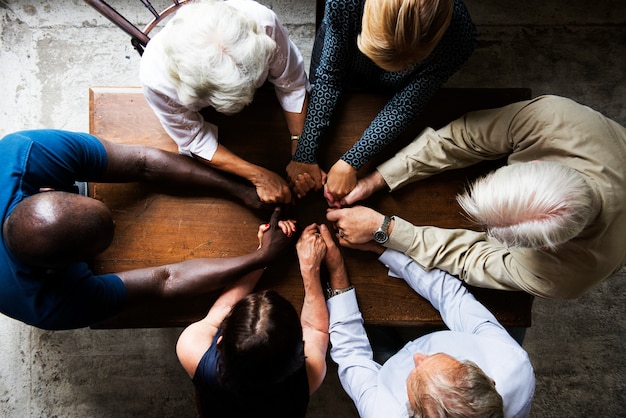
(233, 293)
(191, 277)
(315, 322)
(295, 121)
(226, 160)
(314, 312)
(129, 163)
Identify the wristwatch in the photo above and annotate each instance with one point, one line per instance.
(330, 292)
(381, 235)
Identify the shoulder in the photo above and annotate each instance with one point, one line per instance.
(339, 10)
(59, 144)
(262, 14)
(194, 342)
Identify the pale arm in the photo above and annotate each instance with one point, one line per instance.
(270, 187)
(314, 315)
(197, 337)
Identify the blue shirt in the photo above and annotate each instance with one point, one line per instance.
(72, 297)
(342, 65)
(475, 335)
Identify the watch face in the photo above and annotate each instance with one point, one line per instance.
(381, 237)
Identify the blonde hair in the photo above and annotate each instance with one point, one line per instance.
(216, 53)
(400, 33)
(537, 204)
(463, 390)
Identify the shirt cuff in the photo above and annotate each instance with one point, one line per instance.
(292, 101)
(392, 259)
(402, 235)
(203, 146)
(342, 306)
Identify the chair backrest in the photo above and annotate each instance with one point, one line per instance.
(139, 37)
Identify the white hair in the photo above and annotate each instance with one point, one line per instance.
(537, 204)
(217, 54)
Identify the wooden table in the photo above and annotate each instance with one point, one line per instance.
(155, 229)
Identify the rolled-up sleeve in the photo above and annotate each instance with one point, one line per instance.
(286, 71)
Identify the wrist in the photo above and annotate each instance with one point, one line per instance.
(377, 181)
(333, 291)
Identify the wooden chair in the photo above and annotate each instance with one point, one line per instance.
(139, 38)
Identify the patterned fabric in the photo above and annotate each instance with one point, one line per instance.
(343, 66)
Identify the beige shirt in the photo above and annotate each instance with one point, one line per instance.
(547, 128)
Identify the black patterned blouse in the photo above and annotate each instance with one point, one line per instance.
(342, 65)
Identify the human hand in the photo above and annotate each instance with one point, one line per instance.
(304, 177)
(275, 236)
(355, 225)
(270, 187)
(288, 227)
(311, 250)
(341, 181)
(364, 188)
(338, 276)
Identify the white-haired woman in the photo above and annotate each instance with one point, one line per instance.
(216, 54)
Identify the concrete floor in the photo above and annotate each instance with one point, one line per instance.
(52, 51)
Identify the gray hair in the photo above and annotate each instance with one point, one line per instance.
(537, 204)
(216, 54)
(461, 391)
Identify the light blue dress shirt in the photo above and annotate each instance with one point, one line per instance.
(475, 334)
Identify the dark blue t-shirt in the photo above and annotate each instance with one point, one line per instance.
(67, 298)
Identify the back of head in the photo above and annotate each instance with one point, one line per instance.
(217, 54)
(262, 348)
(456, 392)
(399, 33)
(54, 229)
(538, 204)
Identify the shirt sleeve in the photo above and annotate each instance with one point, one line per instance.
(474, 257)
(187, 127)
(286, 70)
(329, 78)
(352, 352)
(475, 137)
(409, 103)
(58, 158)
(459, 309)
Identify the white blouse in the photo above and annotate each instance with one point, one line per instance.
(184, 124)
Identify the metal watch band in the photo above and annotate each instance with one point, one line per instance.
(330, 292)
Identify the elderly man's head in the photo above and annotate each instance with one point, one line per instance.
(54, 229)
(442, 386)
(538, 204)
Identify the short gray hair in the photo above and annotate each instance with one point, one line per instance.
(216, 53)
(537, 204)
(460, 391)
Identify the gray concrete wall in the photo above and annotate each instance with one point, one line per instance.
(52, 51)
